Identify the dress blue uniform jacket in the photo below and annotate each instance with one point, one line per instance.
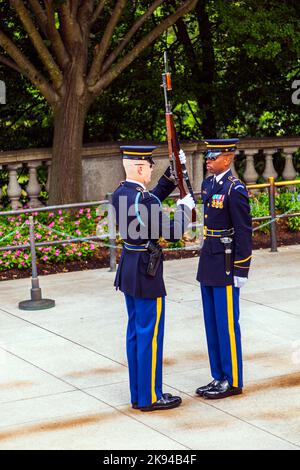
(226, 206)
(132, 277)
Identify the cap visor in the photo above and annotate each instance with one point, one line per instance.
(212, 154)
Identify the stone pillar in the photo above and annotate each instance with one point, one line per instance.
(33, 187)
(269, 168)
(250, 173)
(13, 188)
(289, 172)
(197, 170)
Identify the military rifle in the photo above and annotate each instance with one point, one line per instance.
(178, 170)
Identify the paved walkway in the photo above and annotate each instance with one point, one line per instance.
(63, 379)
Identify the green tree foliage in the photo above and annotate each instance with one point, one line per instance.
(71, 51)
(245, 84)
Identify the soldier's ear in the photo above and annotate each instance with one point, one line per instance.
(140, 169)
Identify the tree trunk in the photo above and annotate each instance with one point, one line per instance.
(66, 167)
(205, 100)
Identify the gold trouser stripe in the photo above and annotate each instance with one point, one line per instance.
(241, 267)
(243, 260)
(232, 336)
(154, 348)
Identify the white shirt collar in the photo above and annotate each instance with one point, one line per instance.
(136, 182)
(220, 176)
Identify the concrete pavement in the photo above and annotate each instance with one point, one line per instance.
(63, 379)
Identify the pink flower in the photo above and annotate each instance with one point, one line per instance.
(45, 258)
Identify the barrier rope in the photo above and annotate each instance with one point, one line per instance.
(273, 220)
(13, 233)
(120, 246)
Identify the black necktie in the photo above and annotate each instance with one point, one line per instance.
(213, 182)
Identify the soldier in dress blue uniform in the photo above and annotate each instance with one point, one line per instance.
(139, 276)
(223, 267)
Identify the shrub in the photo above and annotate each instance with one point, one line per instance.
(50, 226)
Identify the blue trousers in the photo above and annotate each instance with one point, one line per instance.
(221, 317)
(144, 344)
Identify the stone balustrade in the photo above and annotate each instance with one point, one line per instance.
(103, 170)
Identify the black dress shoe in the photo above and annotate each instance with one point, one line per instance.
(135, 406)
(223, 390)
(201, 390)
(166, 402)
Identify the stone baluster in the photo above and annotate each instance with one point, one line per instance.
(197, 170)
(232, 167)
(289, 172)
(250, 173)
(13, 188)
(269, 168)
(33, 187)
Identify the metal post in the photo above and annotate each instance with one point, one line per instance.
(112, 234)
(273, 231)
(36, 302)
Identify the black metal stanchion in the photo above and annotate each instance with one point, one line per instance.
(273, 214)
(36, 302)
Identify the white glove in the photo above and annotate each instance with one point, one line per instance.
(239, 281)
(187, 201)
(182, 157)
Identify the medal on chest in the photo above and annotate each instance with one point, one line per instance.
(218, 201)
